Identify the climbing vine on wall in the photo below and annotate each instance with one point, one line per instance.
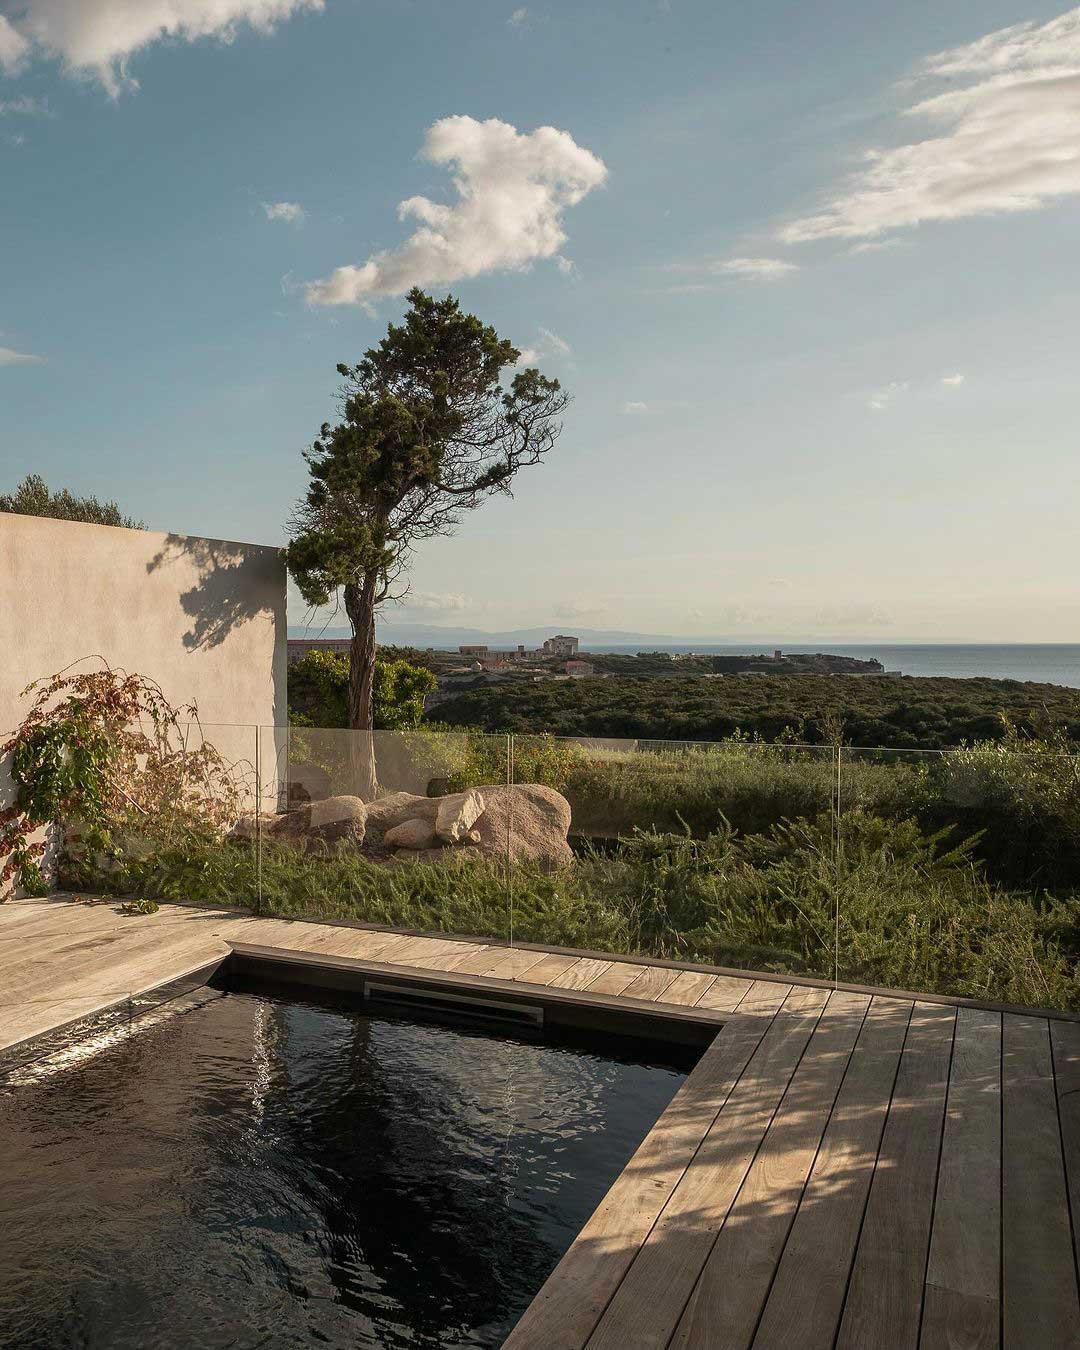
(106, 755)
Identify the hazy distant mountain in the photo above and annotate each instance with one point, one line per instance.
(432, 635)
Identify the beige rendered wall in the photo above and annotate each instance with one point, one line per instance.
(203, 617)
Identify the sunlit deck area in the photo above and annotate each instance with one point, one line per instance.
(842, 1167)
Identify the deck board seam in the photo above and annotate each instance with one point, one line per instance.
(771, 1018)
(701, 1144)
(809, 1174)
(1001, 1184)
(1064, 1158)
(761, 1143)
(873, 1173)
(937, 1176)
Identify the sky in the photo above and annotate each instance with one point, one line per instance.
(809, 273)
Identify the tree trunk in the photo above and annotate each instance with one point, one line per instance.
(360, 607)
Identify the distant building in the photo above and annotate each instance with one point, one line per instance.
(473, 650)
(579, 669)
(298, 648)
(561, 645)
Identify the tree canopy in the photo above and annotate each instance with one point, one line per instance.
(33, 498)
(435, 419)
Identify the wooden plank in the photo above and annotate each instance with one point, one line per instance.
(581, 975)
(765, 997)
(482, 961)
(615, 979)
(567, 1308)
(806, 1300)
(86, 955)
(448, 960)
(725, 993)
(654, 1292)
(731, 1291)
(961, 1305)
(518, 962)
(1065, 1045)
(885, 1293)
(1038, 1295)
(543, 972)
(651, 983)
(687, 987)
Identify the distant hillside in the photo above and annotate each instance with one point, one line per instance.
(911, 713)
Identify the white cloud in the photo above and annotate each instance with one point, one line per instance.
(430, 602)
(513, 190)
(554, 344)
(98, 37)
(884, 397)
(952, 380)
(14, 48)
(549, 345)
(518, 17)
(10, 357)
(1009, 120)
(757, 269)
(635, 408)
(292, 213)
(24, 106)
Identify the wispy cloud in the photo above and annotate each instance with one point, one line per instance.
(10, 357)
(291, 213)
(953, 380)
(1008, 110)
(514, 189)
(432, 602)
(518, 17)
(757, 269)
(883, 398)
(98, 37)
(24, 106)
(635, 408)
(548, 344)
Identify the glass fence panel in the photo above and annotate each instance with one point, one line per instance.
(715, 853)
(383, 827)
(177, 823)
(959, 871)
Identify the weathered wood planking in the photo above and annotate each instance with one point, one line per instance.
(838, 1170)
(884, 1297)
(962, 1304)
(1038, 1294)
(734, 1284)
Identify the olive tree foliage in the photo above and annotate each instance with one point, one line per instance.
(434, 420)
(32, 497)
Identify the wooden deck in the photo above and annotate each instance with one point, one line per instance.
(841, 1168)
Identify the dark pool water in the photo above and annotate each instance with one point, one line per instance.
(263, 1173)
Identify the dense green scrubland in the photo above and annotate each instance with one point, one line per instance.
(909, 712)
(956, 873)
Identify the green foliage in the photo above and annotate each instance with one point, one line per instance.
(33, 498)
(428, 432)
(140, 907)
(400, 690)
(915, 912)
(105, 755)
(908, 713)
(319, 692)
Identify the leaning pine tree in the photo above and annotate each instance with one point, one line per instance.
(429, 430)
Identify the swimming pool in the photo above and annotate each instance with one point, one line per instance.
(267, 1172)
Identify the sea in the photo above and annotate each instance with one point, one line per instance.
(1044, 663)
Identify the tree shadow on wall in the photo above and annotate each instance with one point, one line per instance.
(232, 588)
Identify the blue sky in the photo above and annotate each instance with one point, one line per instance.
(815, 393)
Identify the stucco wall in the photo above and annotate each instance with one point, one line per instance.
(203, 617)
